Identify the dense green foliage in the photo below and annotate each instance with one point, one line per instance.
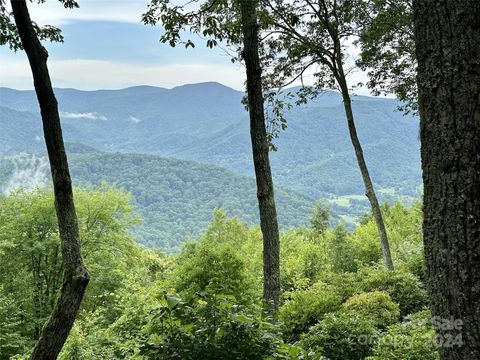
(376, 305)
(304, 308)
(413, 339)
(205, 301)
(175, 198)
(403, 287)
(213, 327)
(11, 339)
(341, 336)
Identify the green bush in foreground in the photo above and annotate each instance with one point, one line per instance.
(404, 288)
(341, 336)
(413, 340)
(211, 328)
(377, 306)
(306, 308)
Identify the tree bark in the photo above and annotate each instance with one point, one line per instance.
(260, 147)
(447, 36)
(76, 277)
(367, 181)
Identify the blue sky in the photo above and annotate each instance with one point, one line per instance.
(106, 46)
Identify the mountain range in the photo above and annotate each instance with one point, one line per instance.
(208, 124)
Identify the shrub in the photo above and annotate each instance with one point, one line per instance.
(342, 251)
(345, 284)
(306, 308)
(403, 287)
(212, 328)
(409, 256)
(413, 340)
(213, 269)
(341, 336)
(367, 251)
(302, 259)
(376, 305)
(405, 234)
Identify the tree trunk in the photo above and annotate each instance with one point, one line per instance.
(56, 330)
(367, 181)
(447, 34)
(260, 147)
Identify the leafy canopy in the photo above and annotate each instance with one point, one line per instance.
(9, 33)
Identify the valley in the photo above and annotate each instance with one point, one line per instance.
(199, 146)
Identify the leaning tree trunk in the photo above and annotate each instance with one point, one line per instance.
(56, 330)
(367, 181)
(260, 147)
(447, 34)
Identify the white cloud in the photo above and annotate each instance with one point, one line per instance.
(101, 74)
(53, 12)
(82, 116)
(96, 74)
(135, 119)
(86, 74)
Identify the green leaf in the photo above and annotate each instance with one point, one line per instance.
(173, 300)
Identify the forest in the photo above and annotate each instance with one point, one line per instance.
(174, 199)
(203, 302)
(112, 253)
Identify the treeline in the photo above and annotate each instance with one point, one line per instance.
(175, 198)
(337, 300)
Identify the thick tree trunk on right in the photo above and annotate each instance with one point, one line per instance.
(260, 147)
(447, 36)
(58, 326)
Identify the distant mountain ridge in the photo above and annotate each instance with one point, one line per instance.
(207, 123)
(176, 198)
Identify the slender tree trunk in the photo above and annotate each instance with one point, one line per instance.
(260, 147)
(447, 34)
(367, 181)
(76, 277)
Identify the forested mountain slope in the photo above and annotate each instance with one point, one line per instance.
(175, 198)
(207, 123)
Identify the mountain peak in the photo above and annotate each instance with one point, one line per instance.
(204, 86)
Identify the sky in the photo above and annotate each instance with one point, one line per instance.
(106, 47)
